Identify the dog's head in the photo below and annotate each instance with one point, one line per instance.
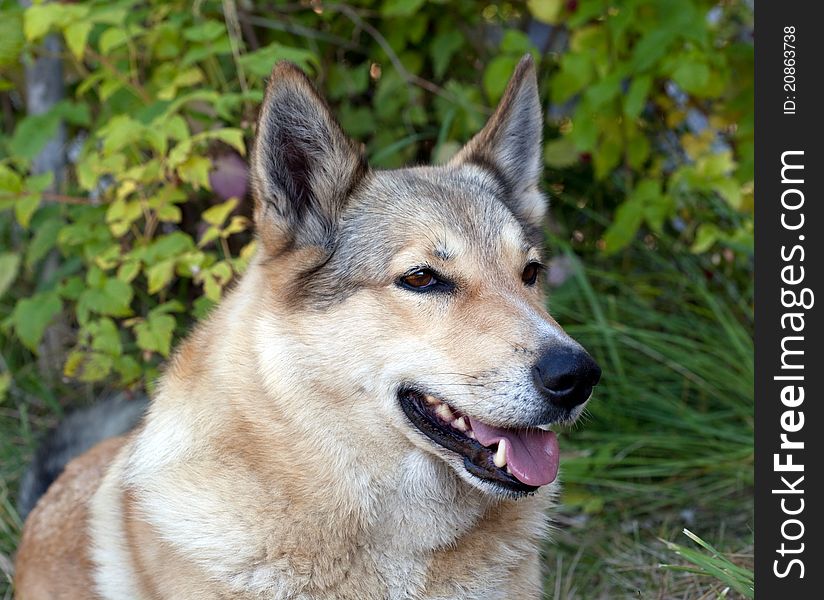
(416, 293)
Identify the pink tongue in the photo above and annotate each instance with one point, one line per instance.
(531, 454)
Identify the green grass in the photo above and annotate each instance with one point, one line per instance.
(666, 444)
(714, 564)
(15, 445)
(30, 406)
(668, 440)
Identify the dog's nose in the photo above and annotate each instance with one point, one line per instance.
(566, 375)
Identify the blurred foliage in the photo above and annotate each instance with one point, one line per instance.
(649, 127)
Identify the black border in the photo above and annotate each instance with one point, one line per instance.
(775, 133)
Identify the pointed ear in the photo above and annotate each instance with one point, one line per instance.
(510, 144)
(303, 166)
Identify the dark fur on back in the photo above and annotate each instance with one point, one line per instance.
(75, 434)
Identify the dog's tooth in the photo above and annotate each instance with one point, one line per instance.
(460, 424)
(444, 413)
(544, 427)
(500, 455)
(508, 470)
(431, 399)
(470, 434)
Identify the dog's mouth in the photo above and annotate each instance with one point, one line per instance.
(518, 460)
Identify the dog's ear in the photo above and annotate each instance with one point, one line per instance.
(510, 144)
(303, 165)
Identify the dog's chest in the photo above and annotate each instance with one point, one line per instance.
(420, 542)
(433, 540)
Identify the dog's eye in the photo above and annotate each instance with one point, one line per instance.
(420, 280)
(530, 274)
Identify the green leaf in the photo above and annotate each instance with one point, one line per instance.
(561, 153)
(108, 87)
(195, 170)
(32, 133)
(637, 96)
(357, 121)
(76, 113)
(87, 366)
(11, 36)
(202, 51)
(729, 190)
(112, 14)
(128, 369)
(228, 135)
(105, 337)
(32, 315)
(211, 234)
(175, 127)
(76, 36)
(169, 214)
(167, 246)
(656, 211)
(346, 81)
(718, 164)
(638, 149)
(652, 46)
(607, 156)
(260, 62)
(112, 298)
(215, 278)
(5, 384)
(627, 220)
(705, 237)
(159, 275)
(585, 129)
(202, 307)
(119, 132)
(40, 18)
(25, 207)
(497, 75)
(96, 367)
(605, 90)
(237, 224)
(204, 32)
(112, 38)
(217, 215)
(577, 71)
(10, 182)
(400, 8)
(45, 237)
(9, 265)
(182, 79)
(180, 152)
(516, 42)
(155, 333)
(547, 11)
(442, 48)
(646, 190)
(693, 77)
(128, 270)
(172, 306)
(71, 288)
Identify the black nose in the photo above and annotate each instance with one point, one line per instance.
(566, 375)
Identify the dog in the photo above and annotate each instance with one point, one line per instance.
(366, 413)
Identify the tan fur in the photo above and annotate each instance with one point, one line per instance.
(53, 560)
(274, 461)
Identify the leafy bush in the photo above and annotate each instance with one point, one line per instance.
(150, 221)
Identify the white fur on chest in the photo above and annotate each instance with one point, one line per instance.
(384, 543)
